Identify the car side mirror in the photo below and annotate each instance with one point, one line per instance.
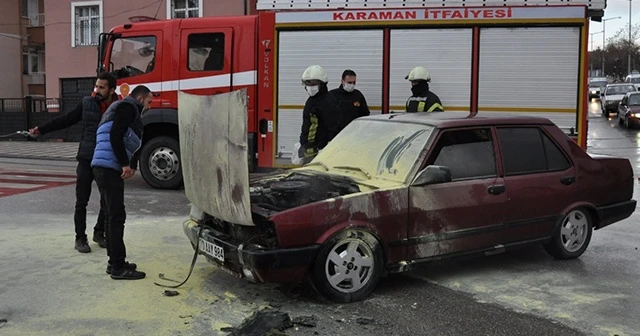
(432, 175)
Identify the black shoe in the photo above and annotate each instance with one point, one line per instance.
(127, 265)
(99, 238)
(127, 274)
(82, 245)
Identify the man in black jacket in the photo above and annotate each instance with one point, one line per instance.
(89, 111)
(422, 99)
(321, 120)
(352, 103)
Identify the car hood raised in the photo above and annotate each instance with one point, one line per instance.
(214, 152)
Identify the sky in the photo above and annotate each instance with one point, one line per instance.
(614, 8)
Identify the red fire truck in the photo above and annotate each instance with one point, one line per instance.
(513, 56)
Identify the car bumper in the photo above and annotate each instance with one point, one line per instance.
(614, 213)
(252, 262)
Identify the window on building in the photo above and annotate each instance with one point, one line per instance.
(206, 52)
(25, 8)
(25, 64)
(86, 23)
(467, 153)
(528, 150)
(180, 9)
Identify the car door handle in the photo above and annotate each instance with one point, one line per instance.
(496, 189)
(568, 180)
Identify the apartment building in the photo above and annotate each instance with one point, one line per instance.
(22, 60)
(73, 28)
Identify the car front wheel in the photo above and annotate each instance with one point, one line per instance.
(573, 235)
(348, 266)
(160, 163)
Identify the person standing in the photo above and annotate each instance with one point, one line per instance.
(352, 102)
(321, 120)
(118, 139)
(88, 111)
(422, 99)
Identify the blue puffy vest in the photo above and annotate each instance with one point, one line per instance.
(103, 155)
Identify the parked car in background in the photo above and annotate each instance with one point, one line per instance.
(395, 191)
(629, 110)
(612, 96)
(596, 86)
(633, 78)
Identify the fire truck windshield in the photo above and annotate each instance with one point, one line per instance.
(132, 56)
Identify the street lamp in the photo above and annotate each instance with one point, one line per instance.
(629, 48)
(603, 42)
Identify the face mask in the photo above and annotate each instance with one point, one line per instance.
(349, 87)
(312, 90)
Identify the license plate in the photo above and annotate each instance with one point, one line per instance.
(211, 249)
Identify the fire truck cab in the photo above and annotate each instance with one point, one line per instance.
(513, 56)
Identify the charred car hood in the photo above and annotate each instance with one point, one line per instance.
(214, 151)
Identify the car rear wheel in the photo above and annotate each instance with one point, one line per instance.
(573, 235)
(348, 266)
(160, 163)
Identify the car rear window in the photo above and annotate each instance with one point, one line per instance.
(528, 150)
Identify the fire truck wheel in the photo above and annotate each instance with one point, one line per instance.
(160, 163)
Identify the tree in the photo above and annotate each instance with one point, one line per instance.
(616, 53)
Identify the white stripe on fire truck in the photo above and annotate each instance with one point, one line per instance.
(239, 79)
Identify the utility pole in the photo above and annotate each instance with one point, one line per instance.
(629, 50)
(603, 41)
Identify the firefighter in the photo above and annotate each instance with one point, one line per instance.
(321, 119)
(352, 102)
(422, 99)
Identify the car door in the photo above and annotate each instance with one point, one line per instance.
(540, 178)
(465, 213)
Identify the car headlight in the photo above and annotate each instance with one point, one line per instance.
(195, 213)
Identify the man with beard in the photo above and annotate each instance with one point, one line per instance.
(115, 159)
(89, 111)
(422, 99)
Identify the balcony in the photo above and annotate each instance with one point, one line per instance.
(36, 20)
(35, 78)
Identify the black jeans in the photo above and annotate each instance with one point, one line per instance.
(111, 187)
(84, 180)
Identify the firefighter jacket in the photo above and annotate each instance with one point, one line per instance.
(321, 121)
(423, 100)
(352, 104)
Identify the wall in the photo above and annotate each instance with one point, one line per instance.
(11, 46)
(63, 61)
(10, 66)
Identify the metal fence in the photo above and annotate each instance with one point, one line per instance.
(17, 114)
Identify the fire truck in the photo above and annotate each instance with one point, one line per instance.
(512, 56)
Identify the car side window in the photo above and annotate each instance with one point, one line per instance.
(205, 52)
(529, 150)
(467, 153)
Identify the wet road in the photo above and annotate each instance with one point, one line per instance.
(46, 287)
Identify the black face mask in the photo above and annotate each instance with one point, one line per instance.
(421, 87)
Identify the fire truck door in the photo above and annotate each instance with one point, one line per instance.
(205, 60)
(135, 58)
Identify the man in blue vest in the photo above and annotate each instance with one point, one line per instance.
(89, 111)
(115, 159)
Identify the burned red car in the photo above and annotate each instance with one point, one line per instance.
(393, 191)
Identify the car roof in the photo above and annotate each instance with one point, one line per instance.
(620, 84)
(458, 119)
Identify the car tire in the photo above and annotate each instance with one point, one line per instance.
(571, 238)
(349, 253)
(161, 155)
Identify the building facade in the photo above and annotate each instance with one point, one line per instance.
(73, 28)
(22, 43)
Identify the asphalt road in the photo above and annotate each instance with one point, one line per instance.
(46, 287)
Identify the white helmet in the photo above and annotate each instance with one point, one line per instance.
(315, 72)
(419, 73)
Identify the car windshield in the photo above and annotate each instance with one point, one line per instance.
(634, 80)
(634, 99)
(620, 89)
(598, 84)
(375, 149)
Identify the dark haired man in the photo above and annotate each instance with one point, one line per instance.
(351, 101)
(89, 111)
(118, 139)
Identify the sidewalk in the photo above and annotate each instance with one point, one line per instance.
(39, 150)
